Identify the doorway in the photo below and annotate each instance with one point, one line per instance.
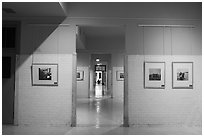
(96, 102)
(99, 92)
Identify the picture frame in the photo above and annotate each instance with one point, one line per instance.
(154, 75)
(120, 75)
(182, 75)
(80, 75)
(44, 74)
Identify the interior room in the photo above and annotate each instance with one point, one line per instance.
(93, 68)
(99, 91)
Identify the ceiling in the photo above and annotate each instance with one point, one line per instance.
(170, 10)
(34, 9)
(103, 31)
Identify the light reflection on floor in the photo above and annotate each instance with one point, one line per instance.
(99, 111)
(98, 90)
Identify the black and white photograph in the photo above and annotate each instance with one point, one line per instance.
(119, 75)
(44, 74)
(154, 75)
(102, 67)
(182, 75)
(80, 75)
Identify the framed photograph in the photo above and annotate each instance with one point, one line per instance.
(182, 75)
(80, 75)
(154, 75)
(45, 74)
(119, 75)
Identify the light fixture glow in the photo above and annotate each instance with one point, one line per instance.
(97, 60)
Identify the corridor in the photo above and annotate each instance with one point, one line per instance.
(102, 68)
(99, 112)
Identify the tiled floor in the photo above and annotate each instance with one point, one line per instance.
(100, 117)
(99, 112)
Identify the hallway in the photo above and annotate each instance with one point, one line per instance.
(99, 112)
(102, 68)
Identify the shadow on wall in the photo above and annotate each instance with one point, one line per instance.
(35, 35)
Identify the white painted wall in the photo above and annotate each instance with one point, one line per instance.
(106, 43)
(118, 86)
(164, 106)
(83, 63)
(45, 105)
(164, 40)
(83, 85)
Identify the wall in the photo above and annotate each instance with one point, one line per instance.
(117, 86)
(45, 105)
(164, 106)
(105, 43)
(83, 60)
(164, 40)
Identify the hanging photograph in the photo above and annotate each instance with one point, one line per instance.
(45, 74)
(80, 75)
(120, 75)
(182, 74)
(154, 74)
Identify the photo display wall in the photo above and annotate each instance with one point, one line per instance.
(182, 75)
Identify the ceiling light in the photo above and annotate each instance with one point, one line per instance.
(97, 60)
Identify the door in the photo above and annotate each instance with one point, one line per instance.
(8, 88)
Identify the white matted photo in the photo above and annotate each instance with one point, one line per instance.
(44, 74)
(120, 75)
(154, 74)
(80, 75)
(182, 74)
